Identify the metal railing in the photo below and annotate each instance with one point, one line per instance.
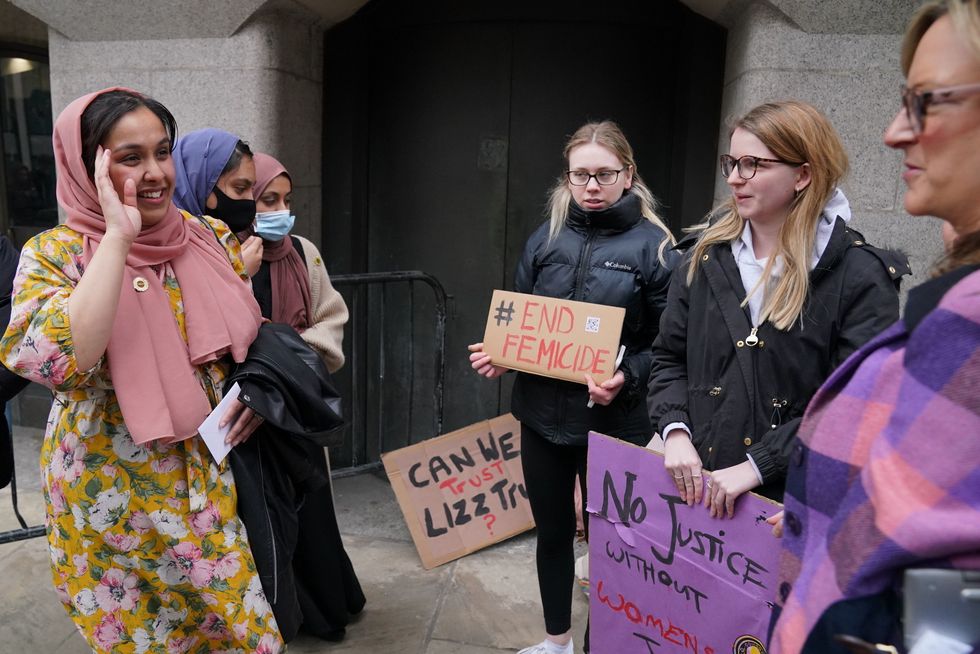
(368, 369)
(24, 532)
(363, 380)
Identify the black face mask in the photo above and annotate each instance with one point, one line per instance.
(237, 214)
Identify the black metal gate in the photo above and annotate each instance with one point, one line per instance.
(381, 379)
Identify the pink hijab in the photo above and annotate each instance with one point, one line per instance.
(290, 278)
(152, 367)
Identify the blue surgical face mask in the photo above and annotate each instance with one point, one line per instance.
(274, 225)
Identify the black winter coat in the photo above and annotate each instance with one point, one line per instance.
(605, 257)
(739, 399)
(286, 382)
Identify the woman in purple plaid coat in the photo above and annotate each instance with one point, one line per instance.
(886, 475)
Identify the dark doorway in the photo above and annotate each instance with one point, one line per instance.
(443, 128)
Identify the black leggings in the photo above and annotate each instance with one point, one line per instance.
(549, 476)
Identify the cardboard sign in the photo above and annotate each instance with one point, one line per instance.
(462, 491)
(552, 337)
(666, 577)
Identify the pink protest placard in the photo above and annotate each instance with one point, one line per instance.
(665, 577)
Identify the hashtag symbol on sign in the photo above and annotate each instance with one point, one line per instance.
(504, 314)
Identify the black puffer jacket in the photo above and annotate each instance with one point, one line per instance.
(739, 399)
(606, 257)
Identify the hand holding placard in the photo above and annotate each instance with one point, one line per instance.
(619, 360)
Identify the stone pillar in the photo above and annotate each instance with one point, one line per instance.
(247, 66)
(843, 57)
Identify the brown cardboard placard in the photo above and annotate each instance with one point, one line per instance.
(462, 491)
(553, 337)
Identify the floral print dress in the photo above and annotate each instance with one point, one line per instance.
(147, 549)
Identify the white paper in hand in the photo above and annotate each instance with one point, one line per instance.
(214, 437)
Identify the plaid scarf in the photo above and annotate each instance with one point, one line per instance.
(887, 472)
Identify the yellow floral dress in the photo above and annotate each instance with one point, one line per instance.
(147, 549)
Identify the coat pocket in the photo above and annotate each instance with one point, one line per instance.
(703, 402)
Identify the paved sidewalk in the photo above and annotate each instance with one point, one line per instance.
(482, 604)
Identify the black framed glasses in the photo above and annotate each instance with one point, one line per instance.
(603, 177)
(917, 103)
(747, 165)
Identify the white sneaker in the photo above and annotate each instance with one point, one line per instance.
(549, 647)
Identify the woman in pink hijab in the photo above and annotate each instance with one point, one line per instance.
(292, 286)
(131, 312)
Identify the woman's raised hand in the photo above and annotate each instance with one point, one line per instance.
(684, 465)
(480, 362)
(252, 250)
(122, 217)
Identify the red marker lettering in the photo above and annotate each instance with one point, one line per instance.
(600, 360)
(527, 343)
(527, 314)
(547, 348)
(507, 342)
(564, 314)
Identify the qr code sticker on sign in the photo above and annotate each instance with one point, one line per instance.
(592, 325)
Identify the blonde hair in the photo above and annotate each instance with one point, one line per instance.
(794, 131)
(607, 134)
(965, 16)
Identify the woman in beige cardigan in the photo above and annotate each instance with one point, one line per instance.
(289, 278)
(292, 286)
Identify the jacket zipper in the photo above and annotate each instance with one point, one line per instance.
(577, 294)
(272, 538)
(583, 267)
(560, 400)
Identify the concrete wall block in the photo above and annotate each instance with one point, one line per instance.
(849, 16)
(298, 137)
(298, 129)
(858, 107)
(918, 236)
(66, 86)
(229, 99)
(247, 49)
(96, 20)
(292, 42)
(764, 38)
(753, 25)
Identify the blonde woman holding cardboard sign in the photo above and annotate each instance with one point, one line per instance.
(775, 291)
(604, 244)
